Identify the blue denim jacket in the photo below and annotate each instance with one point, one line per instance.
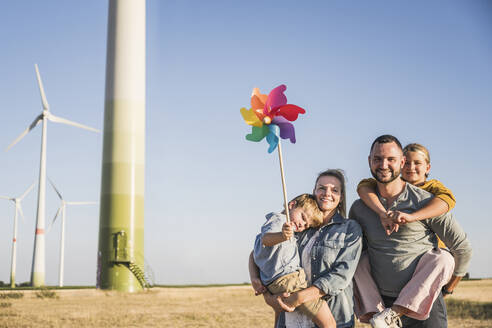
(334, 258)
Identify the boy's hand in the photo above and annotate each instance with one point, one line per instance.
(258, 286)
(288, 230)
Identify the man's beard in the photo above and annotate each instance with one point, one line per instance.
(393, 177)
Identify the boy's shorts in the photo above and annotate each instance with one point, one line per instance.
(293, 282)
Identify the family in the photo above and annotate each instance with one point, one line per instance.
(390, 264)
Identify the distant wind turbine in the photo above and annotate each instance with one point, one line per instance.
(62, 210)
(18, 210)
(38, 262)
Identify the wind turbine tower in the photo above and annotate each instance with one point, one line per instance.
(38, 261)
(121, 224)
(62, 210)
(18, 210)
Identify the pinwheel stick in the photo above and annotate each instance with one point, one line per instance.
(284, 188)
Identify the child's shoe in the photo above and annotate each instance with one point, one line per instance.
(386, 319)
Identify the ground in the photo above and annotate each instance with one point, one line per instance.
(218, 307)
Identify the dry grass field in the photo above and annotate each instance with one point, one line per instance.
(220, 307)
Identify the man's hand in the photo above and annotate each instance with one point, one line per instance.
(288, 230)
(387, 222)
(258, 286)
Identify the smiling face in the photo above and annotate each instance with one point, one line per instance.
(328, 193)
(301, 218)
(386, 161)
(416, 167)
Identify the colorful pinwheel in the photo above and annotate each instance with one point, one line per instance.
(270, 116)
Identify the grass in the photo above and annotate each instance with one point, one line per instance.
(195, 307)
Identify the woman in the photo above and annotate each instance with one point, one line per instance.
(329, 255)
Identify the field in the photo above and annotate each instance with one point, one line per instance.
(232, 306)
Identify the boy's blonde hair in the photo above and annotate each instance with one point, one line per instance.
(308, 202)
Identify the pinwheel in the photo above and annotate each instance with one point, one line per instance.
(270, 118)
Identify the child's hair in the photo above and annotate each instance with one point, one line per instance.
(308, 202)
(418, 148)
(415, 147)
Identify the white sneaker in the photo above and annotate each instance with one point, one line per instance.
(386, 319)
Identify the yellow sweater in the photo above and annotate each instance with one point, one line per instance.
(433, 186)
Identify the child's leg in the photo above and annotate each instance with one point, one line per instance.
(367, 300)
(432, 272)
(324, 318)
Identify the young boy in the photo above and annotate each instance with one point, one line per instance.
(277, 257)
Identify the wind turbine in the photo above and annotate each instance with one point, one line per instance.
(18, 210)
(38, 262)
(62, 210)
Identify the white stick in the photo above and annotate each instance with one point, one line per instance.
(284, 188)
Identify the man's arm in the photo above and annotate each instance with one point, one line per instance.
(451, 233)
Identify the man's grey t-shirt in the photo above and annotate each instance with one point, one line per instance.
(278, 260)
(393, 258)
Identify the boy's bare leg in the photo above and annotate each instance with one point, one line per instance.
(324, 317)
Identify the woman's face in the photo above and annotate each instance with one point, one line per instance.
(328, 191)
(416, 168)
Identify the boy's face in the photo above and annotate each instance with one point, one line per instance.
(301, 218)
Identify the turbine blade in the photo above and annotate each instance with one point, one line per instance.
(27, 191)
(54, 219)
(5, 197)
(56, 190)
(81, 203)
(41, 89)
(19, 208)
(26, 131)
(57, 119)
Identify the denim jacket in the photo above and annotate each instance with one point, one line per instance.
(334, 258)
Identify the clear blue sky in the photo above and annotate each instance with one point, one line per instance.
(420, 70)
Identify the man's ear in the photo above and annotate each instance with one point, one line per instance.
(403, 160)
(292, 204)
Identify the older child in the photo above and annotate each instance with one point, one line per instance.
(435, 267)
(277, 257)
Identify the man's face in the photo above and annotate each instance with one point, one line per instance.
(386, 161)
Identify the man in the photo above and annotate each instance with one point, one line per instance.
(393, 258)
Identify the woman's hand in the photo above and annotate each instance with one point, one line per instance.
(291, 300)
(276, 302)
(258, 286)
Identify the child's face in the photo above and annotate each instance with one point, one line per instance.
(301, 218)
(416, 167)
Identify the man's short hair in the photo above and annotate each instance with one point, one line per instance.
(386, 138)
